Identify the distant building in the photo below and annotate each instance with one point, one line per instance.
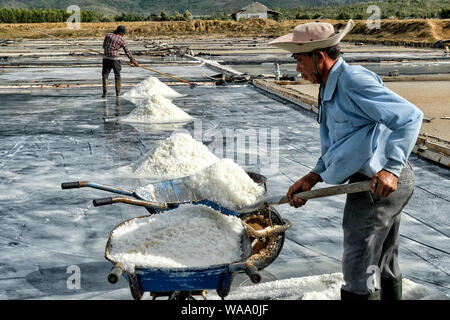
(254, 10)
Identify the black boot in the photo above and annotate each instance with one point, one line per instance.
(391, 288)
(347, 295)
(105, 87)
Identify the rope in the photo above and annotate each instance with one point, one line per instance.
(266, 232)
(98, 52)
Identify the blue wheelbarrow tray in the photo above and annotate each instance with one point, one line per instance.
(154, 280)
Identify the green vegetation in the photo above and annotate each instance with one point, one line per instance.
(113, 8)
(20, 15)
(219, 10)
(43, 15)
(399, 9)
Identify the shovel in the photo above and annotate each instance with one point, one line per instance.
(312, 194)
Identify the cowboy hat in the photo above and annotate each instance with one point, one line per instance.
(310, 36)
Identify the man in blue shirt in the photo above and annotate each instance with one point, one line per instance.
(367, 133)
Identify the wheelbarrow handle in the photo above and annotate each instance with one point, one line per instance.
(111, 200)
(72, 185)
(116, 273)
(252, 272)
(247, 267)
(102, 202)
(88, 184)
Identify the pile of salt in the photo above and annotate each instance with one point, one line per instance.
(156, 109)
(149, 87)
(189, 236)
(227, 184)
(177, 156)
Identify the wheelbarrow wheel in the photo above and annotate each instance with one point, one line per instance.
(181, 295)
(136, 292)
(264, 251)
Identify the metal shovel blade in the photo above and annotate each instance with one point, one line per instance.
(180, 190)
(170, 191)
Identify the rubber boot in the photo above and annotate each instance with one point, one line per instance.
(347, 295)
(391, 288)
(105, 87)
(118, 87)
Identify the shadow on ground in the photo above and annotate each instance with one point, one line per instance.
(62, 280)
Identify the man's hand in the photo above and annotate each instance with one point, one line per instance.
(135, 63)
(304, 184)
(383, 183)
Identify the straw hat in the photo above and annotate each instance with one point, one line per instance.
(310, 36)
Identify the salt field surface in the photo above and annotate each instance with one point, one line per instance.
(383, 68)
(49, 136)
(94, 73)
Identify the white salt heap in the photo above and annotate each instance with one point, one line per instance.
(149, 87)
(189, 236)
(156, 109)
(322, 287)
(177, 156)
(227, 184)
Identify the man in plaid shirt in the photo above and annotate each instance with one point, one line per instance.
(111, 45)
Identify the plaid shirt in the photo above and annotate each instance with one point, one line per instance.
(111, 45)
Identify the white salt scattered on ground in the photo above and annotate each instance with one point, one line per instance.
(177, 156)
(149, 87)
(321, 287)
(156, 109)
(227, 184)
(189, 236)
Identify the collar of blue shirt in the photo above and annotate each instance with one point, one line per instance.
(330, 86)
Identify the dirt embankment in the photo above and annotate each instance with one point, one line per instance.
(417, 30)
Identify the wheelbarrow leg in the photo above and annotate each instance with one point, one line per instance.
(136, 292)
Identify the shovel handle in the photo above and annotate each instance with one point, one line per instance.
(331, 191)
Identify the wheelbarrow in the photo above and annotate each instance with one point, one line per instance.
(182, 283)
(264, 226)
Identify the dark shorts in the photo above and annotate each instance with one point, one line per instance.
(371, 234)
(109, 64)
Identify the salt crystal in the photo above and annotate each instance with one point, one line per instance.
(177, 156)
(188, 236)
(157, 109)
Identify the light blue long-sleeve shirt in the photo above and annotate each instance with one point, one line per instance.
(365, 126)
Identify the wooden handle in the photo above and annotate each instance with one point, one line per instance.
(331, 191)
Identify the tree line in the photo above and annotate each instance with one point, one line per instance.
(20, 15)
(397, 9)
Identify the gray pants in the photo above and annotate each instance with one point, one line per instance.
(371, 234)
